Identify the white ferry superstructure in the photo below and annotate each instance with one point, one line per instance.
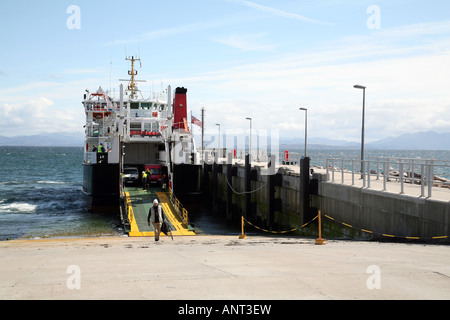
(133, 131)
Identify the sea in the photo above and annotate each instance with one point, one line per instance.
(40, 192)
(40, 196)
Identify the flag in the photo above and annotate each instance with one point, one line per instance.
(197, 122)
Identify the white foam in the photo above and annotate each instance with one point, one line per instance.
(50, 182)
(19, 207)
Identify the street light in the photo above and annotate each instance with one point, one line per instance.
(218, 148)
(250, 142)
(306, 127)
(362, 129)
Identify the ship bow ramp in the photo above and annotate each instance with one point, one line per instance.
(137, 206)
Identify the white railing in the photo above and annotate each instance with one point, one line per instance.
(423, 172)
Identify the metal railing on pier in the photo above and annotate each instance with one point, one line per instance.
(427, 173)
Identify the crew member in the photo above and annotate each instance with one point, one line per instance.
(101, 149)
(144, 180)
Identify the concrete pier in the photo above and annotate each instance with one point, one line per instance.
(221, 268)
(275, 202)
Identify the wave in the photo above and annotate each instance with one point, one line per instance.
(51, 182)
(17, 207)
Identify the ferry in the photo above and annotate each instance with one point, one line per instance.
(136, 133)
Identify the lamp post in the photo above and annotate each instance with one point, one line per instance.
(250, 142)
(362, 129)
(218, 147)
(306, 127)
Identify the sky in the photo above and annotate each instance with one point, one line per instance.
(260, 59)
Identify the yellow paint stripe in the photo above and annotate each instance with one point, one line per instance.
(181, 229)
(368, 231)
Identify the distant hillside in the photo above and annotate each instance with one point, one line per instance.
(45, 140)
(429, 140)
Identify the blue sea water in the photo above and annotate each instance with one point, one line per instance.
(40, 195)
(40, 191)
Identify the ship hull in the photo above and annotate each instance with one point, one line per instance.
(186, 179)
(101, 187)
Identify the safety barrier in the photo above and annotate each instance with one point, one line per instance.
(182, 212)
(278, 232)
(130, 213)
(384, 234)
(318, 241)
(323, 241)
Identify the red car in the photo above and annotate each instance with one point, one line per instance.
(156, 173)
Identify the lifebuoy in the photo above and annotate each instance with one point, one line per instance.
(286, 155)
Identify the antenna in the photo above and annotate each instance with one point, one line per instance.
(132, 83)
(110, 64)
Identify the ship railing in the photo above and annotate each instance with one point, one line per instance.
(380, 171)
(129, 207)
(181, 211)
(208, 155)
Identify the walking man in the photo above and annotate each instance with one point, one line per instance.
(155, 216)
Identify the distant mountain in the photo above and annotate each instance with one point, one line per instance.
(429, 140)
(45, 140)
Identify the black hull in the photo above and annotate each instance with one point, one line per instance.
(186, 179)
(101, 187)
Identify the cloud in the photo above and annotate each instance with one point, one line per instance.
(81, 71)
(406, 87)
(36, 115)
(250, 42)
(277, 12)
(177, 30)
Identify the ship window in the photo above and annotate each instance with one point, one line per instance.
(147, 126)
(155, 126)
(145, 105)
(134, 105)
(135, 126)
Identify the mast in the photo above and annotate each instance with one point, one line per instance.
(203, 132)
(132, 83)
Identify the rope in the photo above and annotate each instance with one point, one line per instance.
(245, 192)
(280, 232)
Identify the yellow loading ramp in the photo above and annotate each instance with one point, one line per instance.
(138, 203)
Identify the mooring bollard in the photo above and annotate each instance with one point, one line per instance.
(320, 241)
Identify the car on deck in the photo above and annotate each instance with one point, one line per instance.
(131, 175)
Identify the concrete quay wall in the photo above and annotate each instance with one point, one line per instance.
(383, 212)
(274, 204)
